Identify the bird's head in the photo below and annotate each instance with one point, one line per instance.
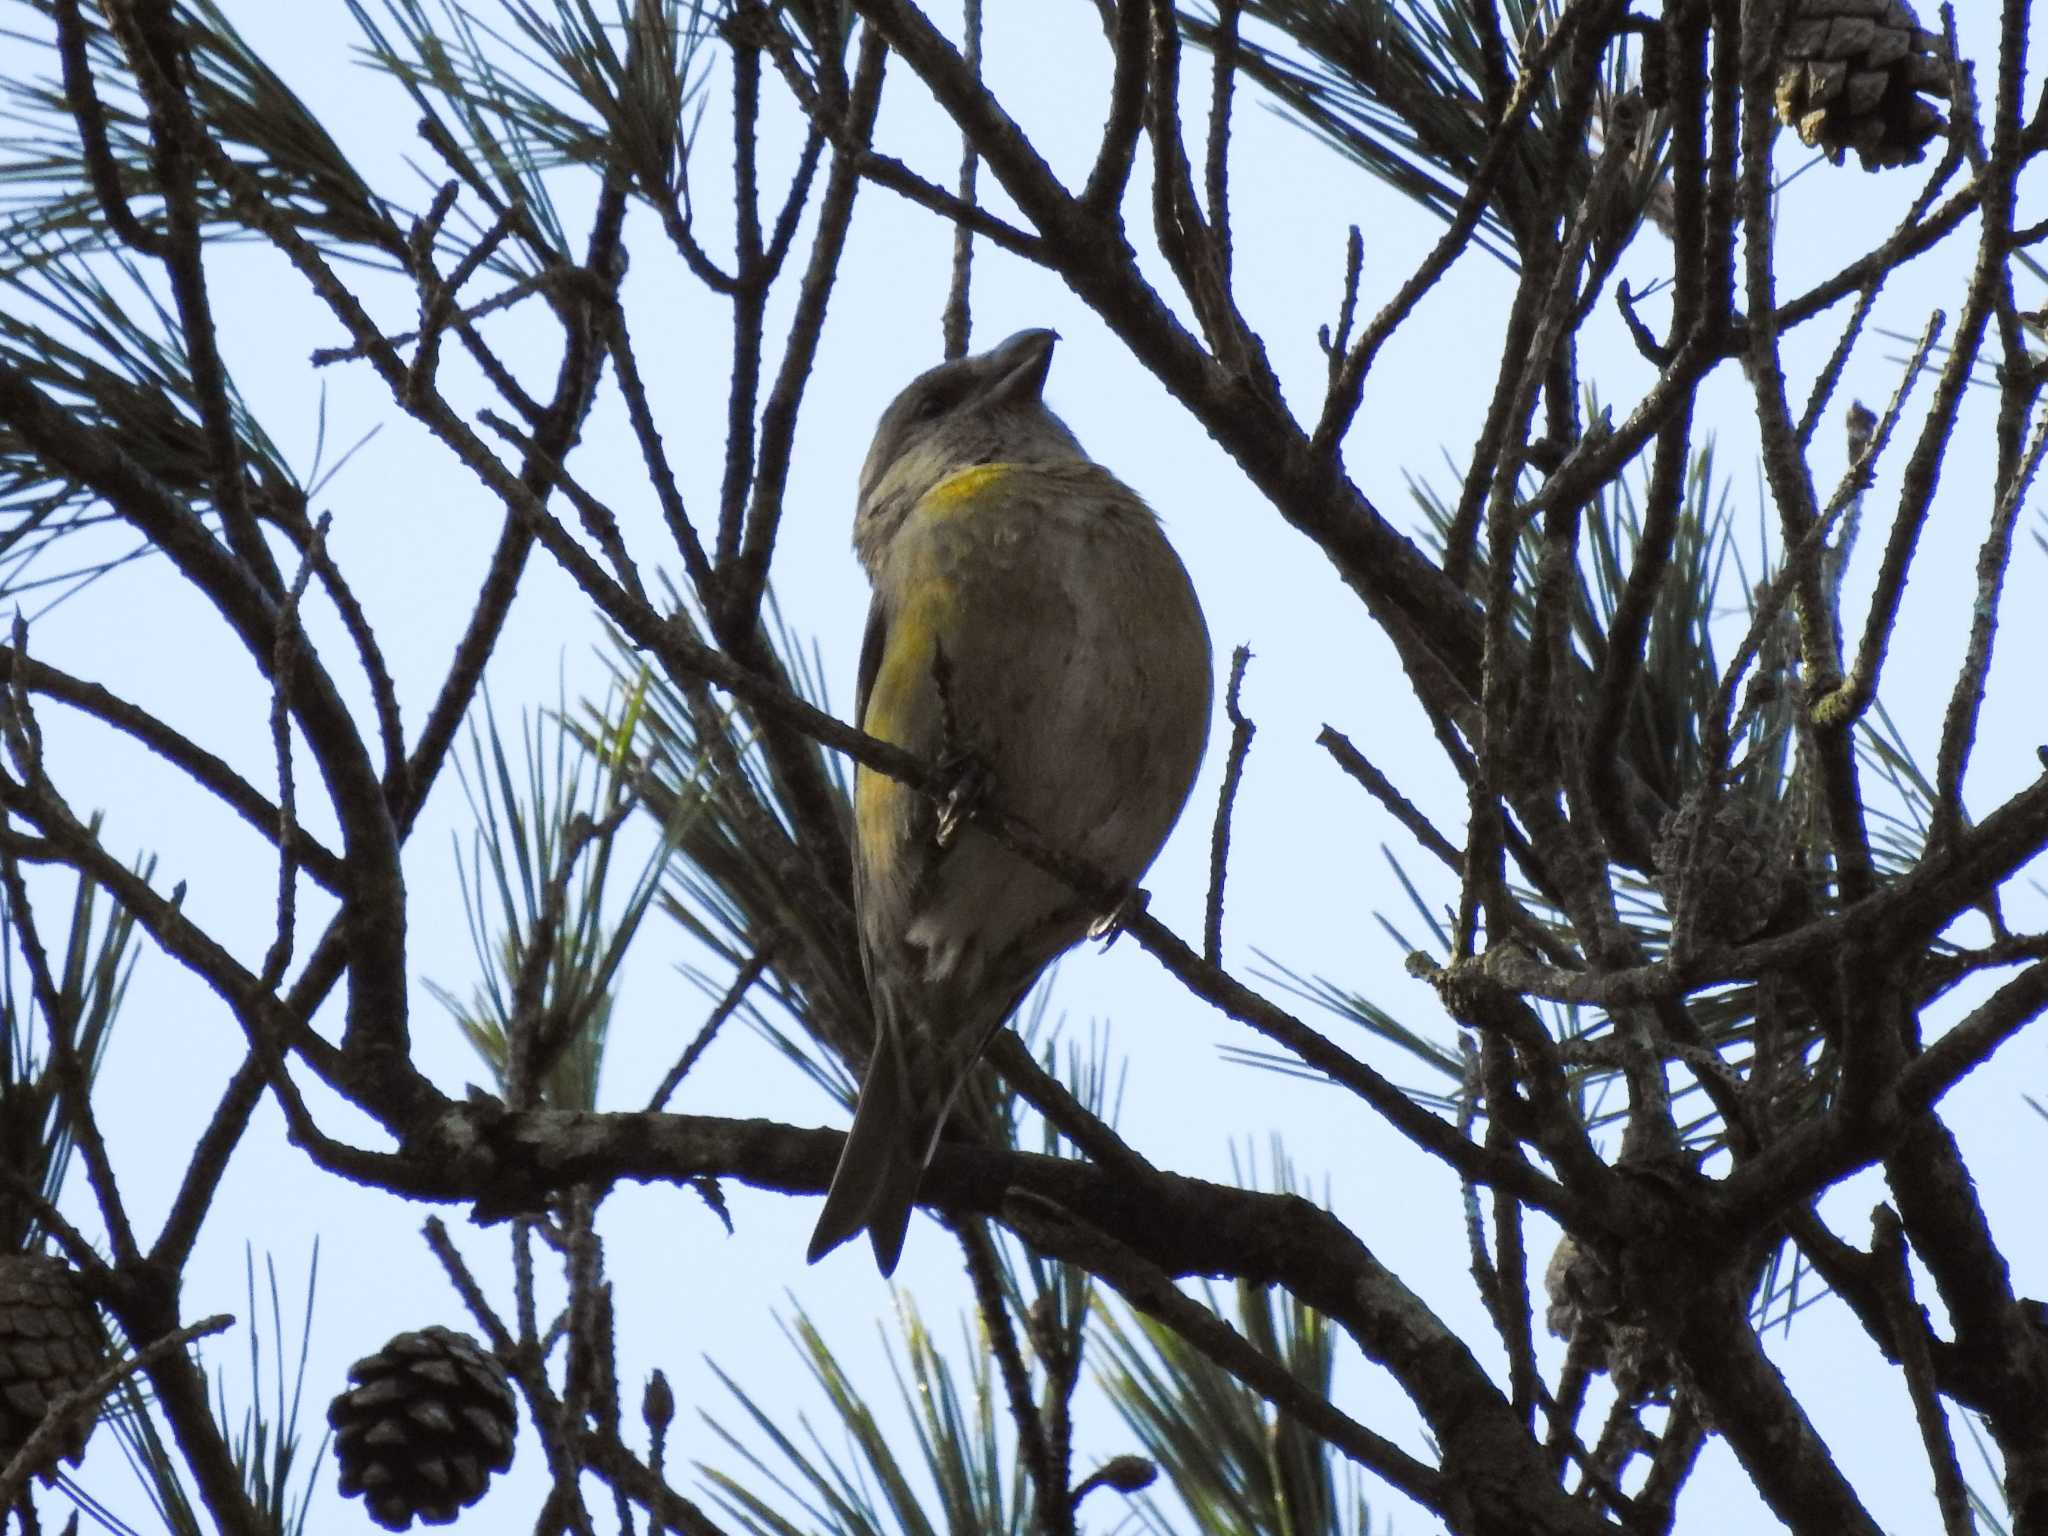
(985, 409)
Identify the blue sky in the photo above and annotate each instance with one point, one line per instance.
(1310, 867)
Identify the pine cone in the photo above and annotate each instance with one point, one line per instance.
(429, 1418)
(1583, 1296)
(1745, 875)
(1851, 75)
(51, 1343)
(1586, 1308)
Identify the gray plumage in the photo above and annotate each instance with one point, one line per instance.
(1030, 624)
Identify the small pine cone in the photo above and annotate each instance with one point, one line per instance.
(1586, 1309)
(51, 1343)
(1856, 74)
(1126, 1474)
(1744, 872)
(429, 1418)
(1583, 1296)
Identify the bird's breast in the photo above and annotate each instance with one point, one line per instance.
(965, 489)
(1044, 603)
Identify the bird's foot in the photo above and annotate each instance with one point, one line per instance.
(1111, 924)
(967, 783)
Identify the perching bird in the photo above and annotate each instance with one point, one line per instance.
(1033, 634)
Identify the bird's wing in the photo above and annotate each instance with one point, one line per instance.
(901, 1097)
(910, 628)
(872, 645)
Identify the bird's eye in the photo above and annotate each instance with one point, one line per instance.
(931, 407)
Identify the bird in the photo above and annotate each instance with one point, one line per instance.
(1033, 636)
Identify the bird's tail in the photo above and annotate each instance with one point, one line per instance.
(875, 1184)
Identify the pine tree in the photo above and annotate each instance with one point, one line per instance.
(1712, 937)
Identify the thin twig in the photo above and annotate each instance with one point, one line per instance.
(1094, 1138)
(1185, 236)
(1053, 1513)
(726, 1007)
(1151, 1291)
(1831, 372)
(149, 39)
(1125, 119)
(207, 1166)
(1563, 1407)
(101, 168)
(1715, 740)
(435, 300)
(783, 236)
(1216, 170)
(1397, 805)
(677, 224)
(524, 288)
(211, 773)
(957, 322)
(1484, 1278)
(1509, 1271)
(1347, 389)
(60, 1024)
(654, 457)
(1909, 1337)
(590, 1373)
(1418, 1124)
(537, 1033)
(1241, 732)
(598, 519)
(1678, 1447)
(1959, 725)
(1973, 1039)
(1922, 470)
(76, 1245)
(435, 1231)
(608, 1457)
(745, 30)
(1336, 340)
(290, 519)
(291, 635)
(522, 1359)
(746, 582)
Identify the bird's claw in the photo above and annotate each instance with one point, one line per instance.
(967, 787)
(1111, 924)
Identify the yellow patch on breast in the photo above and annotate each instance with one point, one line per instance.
(964, 486)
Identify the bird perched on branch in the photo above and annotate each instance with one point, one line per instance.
(1033, 636)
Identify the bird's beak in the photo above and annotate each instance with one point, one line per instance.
(1018, 367)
